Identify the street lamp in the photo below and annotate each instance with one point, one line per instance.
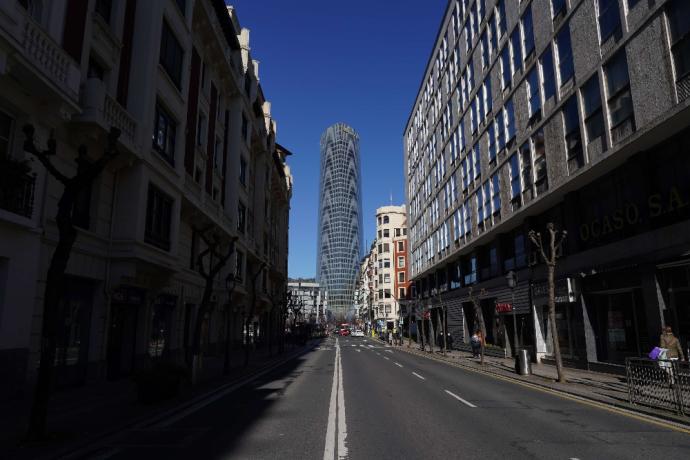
(512, 279)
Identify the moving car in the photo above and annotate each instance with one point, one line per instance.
(344, 332)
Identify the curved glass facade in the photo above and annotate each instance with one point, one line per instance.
(340, 217)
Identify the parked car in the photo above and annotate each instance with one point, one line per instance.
(358, 333)
(344, 332)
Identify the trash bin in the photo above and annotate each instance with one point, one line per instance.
(523, 365)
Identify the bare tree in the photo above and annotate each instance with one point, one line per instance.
(556, 239)
(87, 171)
(479, 319)
(441, 318)
(216, 257)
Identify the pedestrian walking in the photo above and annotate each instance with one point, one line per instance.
(476, 343)
(671, 343)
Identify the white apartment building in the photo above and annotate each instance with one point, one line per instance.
(391, 226)
(198, 153)
(311, 297)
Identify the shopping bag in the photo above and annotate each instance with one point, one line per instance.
(654, 354)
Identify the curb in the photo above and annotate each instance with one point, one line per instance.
(627, 407)
(99, 442)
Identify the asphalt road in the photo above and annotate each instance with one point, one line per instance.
(356, 398)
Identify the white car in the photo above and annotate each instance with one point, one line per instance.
(358, 333)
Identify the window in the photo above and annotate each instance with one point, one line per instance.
(6, 124)
(573, 139)
(679, 25)
(618, 87)
(386, 219)
(386, 233)
(558, 7)
(401, 262)
(401, 277)
(591, 101)
(171, 55)
(103, 8)
(565, 55)
(386, 262)
(528, 32)
(609, 19)
(485, 50)
(476, 160)
(397, 232)
(491, 134)
(495, 194)
(539, 155)
(526, 164)
(533, 93)
(473, 116)
(480, 205)
(547, 77)
(514, 177)
(158, 218)
(386, 247)
(386, 278)
(241, 217)
(245, 128)
(516, 49)
(500, 130)
(164, 133)
(487, 200)
(201, 129)
(239, 265)
(95, 69)
(401, 246)
(387, 295)
(181, 4)
(506, 74)
(486, 93)
(402, 292)
(501, 17)
(509, 120)
(243, 171)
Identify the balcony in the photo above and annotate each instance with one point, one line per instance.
(39, 58)
(101, 109)
(17, 194)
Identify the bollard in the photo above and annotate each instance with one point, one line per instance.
(523, 366)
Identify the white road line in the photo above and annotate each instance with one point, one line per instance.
(386, 357)
(467, 403)
(417, 375)
(336, 413)
(342, 425)
(358, 351)
(378, 353)
(398, 364)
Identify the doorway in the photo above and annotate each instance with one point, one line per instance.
(122, 334)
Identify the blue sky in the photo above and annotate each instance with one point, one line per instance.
(357, 61)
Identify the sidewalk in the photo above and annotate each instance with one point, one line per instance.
(84, 414)
(598, 387)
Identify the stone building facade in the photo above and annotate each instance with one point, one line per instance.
(198, 155)
(573, 112)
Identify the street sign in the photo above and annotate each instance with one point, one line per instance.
(504, 307)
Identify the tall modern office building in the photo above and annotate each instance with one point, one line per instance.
(571, 112)
(340, 217)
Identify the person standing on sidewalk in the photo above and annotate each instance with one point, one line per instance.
(476, 343)
(672, 344)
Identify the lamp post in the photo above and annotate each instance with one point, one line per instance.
(511, 278)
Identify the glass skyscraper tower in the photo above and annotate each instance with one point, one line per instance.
(340, 217)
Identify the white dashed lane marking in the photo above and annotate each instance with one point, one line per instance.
(398, 364)
(465, 402)
(418, 376)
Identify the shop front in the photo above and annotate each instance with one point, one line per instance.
(674, 282)
(127, 301)
(569, 320)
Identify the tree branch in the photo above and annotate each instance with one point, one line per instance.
(30, 147)
(536, 240)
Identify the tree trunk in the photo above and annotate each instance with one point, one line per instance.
(444, 330)
(421, 330)
(479, 316)
(552, 323)
(201, 313)
(51, 303)
(409, 327)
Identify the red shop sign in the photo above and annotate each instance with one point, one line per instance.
(504, 307)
